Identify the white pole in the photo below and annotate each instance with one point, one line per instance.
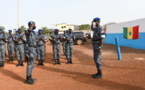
(18, 14)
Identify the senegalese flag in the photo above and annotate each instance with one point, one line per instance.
(131, 32)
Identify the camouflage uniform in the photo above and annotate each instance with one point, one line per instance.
(31, 41)
(10, 46)
(41, 48)
(20, 47)
(2, 49)
(56, 47)
(64, 44)
(97, 37)
(69, 47)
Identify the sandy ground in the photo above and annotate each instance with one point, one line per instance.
(127, 74)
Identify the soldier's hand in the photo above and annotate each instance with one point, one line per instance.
(22, 36)
(99, 50)
(54, 40)
(12, 35)
(60, 37)
(42, 37)
(68, 39)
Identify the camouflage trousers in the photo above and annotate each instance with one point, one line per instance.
(69, 50)
(31, 60)
(64, 49)
(97, 55)
(56, 49)
(10, 47)
(41, 52)
(20, 52)
(2, 53)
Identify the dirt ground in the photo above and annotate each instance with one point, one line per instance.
(127, 74)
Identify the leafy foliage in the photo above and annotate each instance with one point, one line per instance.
(84, 27)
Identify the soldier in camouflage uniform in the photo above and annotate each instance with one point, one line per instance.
(98, 40)
(50, 39)
(69, 46)
(15, 42)
(64, 43)
(10, 45)
(31, 41)
(41, 40)
(56, 38)
(2, 48)
(20, 39)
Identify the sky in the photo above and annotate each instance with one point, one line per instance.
(48, 13)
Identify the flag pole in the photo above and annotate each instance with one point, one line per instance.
(17, 14)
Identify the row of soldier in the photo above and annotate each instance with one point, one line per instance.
(17, 43)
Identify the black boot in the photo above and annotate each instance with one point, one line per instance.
(59, 61)
(42, 63)
(0, 64)
(12, 59)
(71, 61)
(39, 63)
(18, 64)
(3, 64)
(8, 60)
(55, 62)
(29, 80)
(32, 78)
(67, 61)
(22, 63)
(98, 75)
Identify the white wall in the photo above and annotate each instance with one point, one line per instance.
(118, 28)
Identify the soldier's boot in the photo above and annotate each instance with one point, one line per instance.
(71, 61)
(39, 63)
(3, 64)
(8, 60)
(12, 59)
(59, 61)
(98, 75)
(29, 80)
(32, 78)
(18, 64)
(21, 63)
(42, 63)
(0, 64)
(67, 61)
(55, 62)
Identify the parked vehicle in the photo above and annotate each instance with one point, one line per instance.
(80, 37)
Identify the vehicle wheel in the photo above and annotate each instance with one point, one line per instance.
(79, 42)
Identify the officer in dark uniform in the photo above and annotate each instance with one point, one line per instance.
(20, 39)
(69, 46)
(56, 38)
(32, 44)
(2, 48)
(64, 43)
(10, 45)
(41, 40)
(98, 40)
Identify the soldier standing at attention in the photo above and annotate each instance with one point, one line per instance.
(64, 43)
(15, 42)
(98, 40)
(32, 44)
(56, 38)
(20, 39)
(2, 48)
(69, 45)
(50, 39)
(41, 40)
(10, 45)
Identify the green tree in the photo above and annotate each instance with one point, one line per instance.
(23, 28)
(2, 27)
(46, 31)
(84, 27)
